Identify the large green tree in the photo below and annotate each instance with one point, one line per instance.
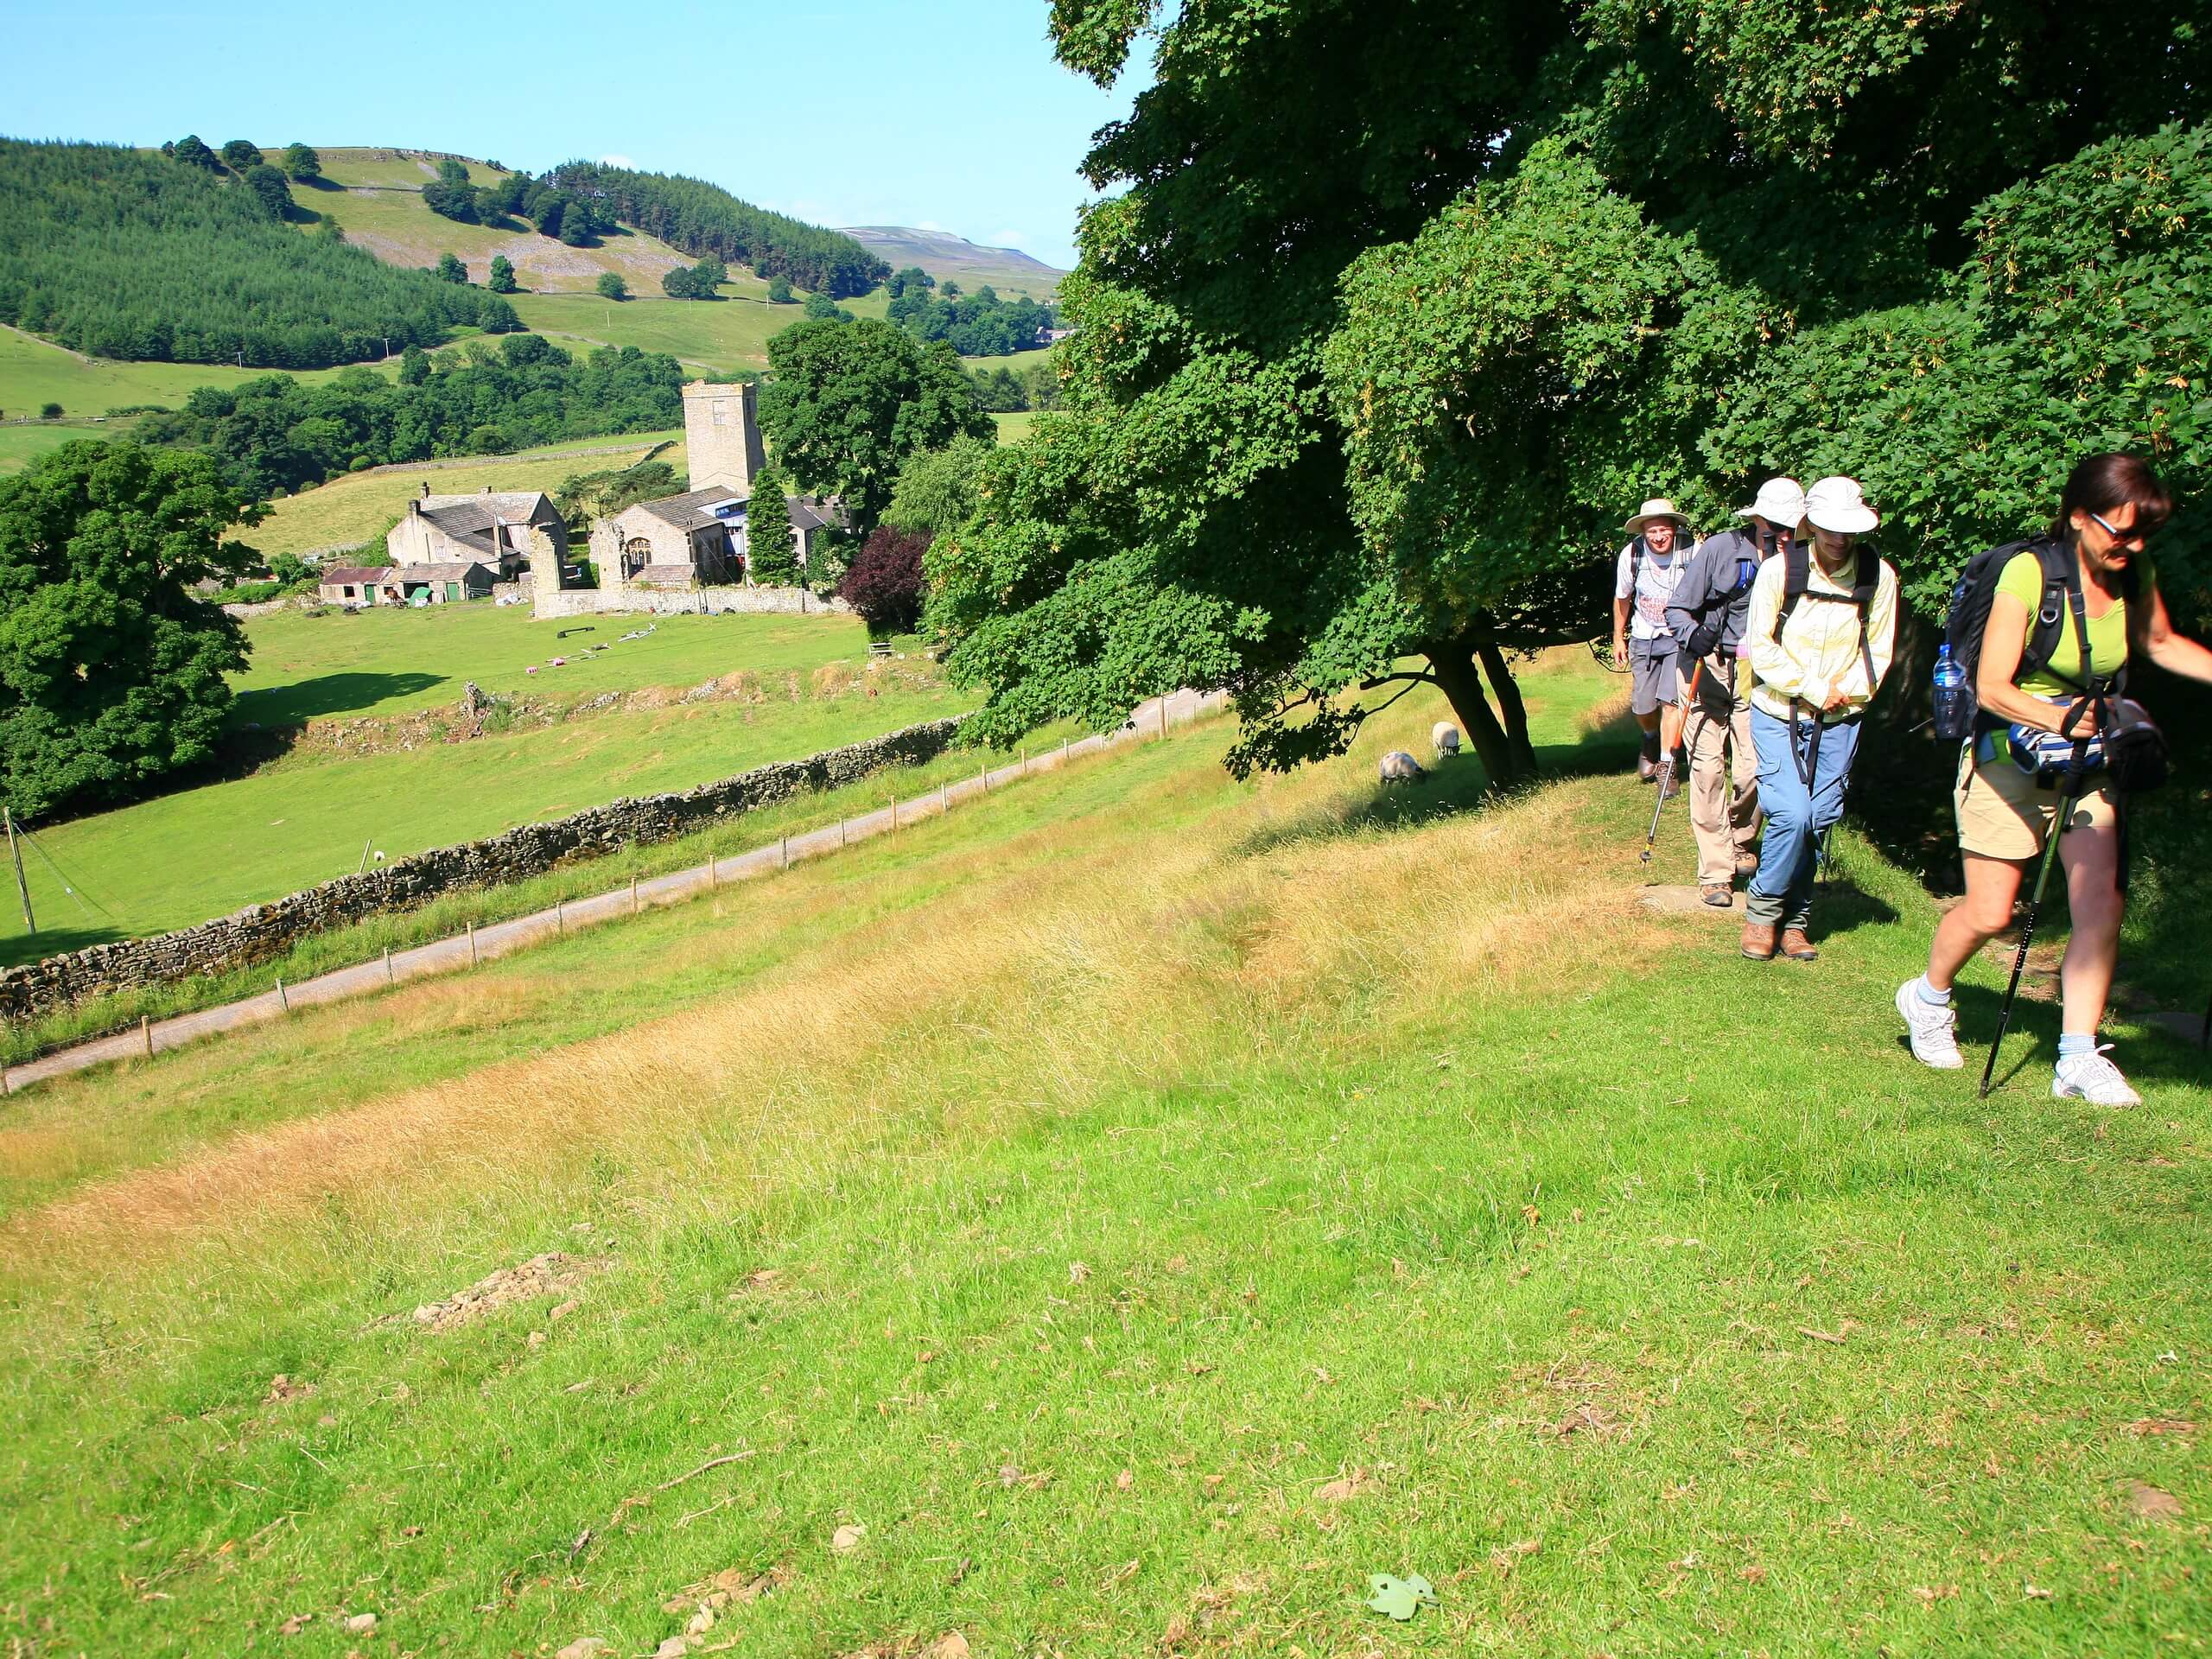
(1391, 312)
(846, 403)
(111, 670)
(302, 163)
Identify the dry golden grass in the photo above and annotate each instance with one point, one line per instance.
(1055, 965)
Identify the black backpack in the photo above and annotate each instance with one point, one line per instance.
(1969, 618)
(1796, 586)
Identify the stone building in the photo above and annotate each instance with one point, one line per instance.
(449, 581)
(491, 527)
(353, 584)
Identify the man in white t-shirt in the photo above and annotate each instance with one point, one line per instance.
(1650, 566)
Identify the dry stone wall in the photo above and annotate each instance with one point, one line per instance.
(699, 601)
(261, 931)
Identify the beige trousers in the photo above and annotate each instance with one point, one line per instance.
(1724, 783)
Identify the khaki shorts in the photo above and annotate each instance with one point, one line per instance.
(2003, 814)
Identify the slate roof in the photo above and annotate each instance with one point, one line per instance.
(817, 512)
(685, 512)
(355, 575)
(516, 506)
(438, 572)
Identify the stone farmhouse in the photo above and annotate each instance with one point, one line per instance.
(491, 528)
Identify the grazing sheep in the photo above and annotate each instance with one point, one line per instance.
(1399, 767)
(1446, 736)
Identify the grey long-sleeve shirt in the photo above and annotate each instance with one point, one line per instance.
(1721, 565)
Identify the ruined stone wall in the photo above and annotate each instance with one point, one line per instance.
(261, 931)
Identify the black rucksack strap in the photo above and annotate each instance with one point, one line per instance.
(1796, 583)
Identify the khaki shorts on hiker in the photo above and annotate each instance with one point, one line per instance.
(2003, 814)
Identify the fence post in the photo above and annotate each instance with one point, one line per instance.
(841, 834)
(783, 846)
(1064, 751)
(389, 978)
(984, 777)
(560, 921)
(146, 1034)
(944, 798)
(894, 812)
(471, 945)
(633, 892)
(283, 1000)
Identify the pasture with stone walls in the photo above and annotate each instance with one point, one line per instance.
(260, 932)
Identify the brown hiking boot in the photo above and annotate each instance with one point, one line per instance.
(1758, 941)
(1747, 866)
(1796, 946)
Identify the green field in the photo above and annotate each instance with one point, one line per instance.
(1013, 428)
(1123, 1217)
(33, 372)
(359, 506)
(176, 859)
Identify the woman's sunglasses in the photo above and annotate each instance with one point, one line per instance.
(2134, 535)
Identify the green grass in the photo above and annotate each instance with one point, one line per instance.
(1013, 428)
(176, 859)
(719, 335)
(34, 372)
(1071, 1192)
(359, 507)
(21, 445)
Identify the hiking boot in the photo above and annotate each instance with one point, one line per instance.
(1719, 894)
(1796, 946)
(1758, 941)
(1645, 770)
(2093, 1078)
(1747, 866)
(1672, 785)
(1933, 1027)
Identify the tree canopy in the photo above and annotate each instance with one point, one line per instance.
(846, 403)
(111, 670)
(1390, 314)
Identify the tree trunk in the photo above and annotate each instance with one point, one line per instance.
(1453, 664)
(1510, 705)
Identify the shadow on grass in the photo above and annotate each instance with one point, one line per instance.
(1451, 788)
(326, 694)
(17, 949)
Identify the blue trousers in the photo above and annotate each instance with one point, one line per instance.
(1796, 814)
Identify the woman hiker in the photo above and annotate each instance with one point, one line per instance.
(1649, 569)
(2111, 506)
(1820, 635)
(1706, 614)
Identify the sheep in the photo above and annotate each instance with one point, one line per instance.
(1446, 738)
(1399, 767)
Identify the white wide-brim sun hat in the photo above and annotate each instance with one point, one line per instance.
(1780, 501)
(1838, 504)
(1657, 507)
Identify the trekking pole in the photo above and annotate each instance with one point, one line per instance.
(2028, 928)
(1666, 761)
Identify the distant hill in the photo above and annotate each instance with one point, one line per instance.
(945, 256)
(125, 253)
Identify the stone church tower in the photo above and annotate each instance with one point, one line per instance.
(724, 436)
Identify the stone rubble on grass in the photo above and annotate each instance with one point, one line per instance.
(540, 1275)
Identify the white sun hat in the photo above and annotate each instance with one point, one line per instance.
(1838, 505)
(1780, 501)
(1657, 507)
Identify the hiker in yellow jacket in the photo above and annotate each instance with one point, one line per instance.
(1819, 636)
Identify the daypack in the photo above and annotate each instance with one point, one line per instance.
(1714, 614)
(1796, 586)
(1969, 618)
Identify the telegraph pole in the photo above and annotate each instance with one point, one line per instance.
(16, 853)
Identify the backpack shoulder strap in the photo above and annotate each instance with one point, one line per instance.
(2061, 592)
(1796, 574)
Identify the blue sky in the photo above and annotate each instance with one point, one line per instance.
(873, 112)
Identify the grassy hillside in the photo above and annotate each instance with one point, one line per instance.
(1123, 1217)
(359, 505)
(379, 204)
(715, 336)
(34, 371)
(953, 258)
(177, 859)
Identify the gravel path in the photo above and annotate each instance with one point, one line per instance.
(464, 950)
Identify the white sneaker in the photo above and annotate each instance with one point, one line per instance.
(2093, 1078)
(1934, 1028)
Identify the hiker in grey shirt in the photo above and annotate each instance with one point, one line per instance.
(1706, 613)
